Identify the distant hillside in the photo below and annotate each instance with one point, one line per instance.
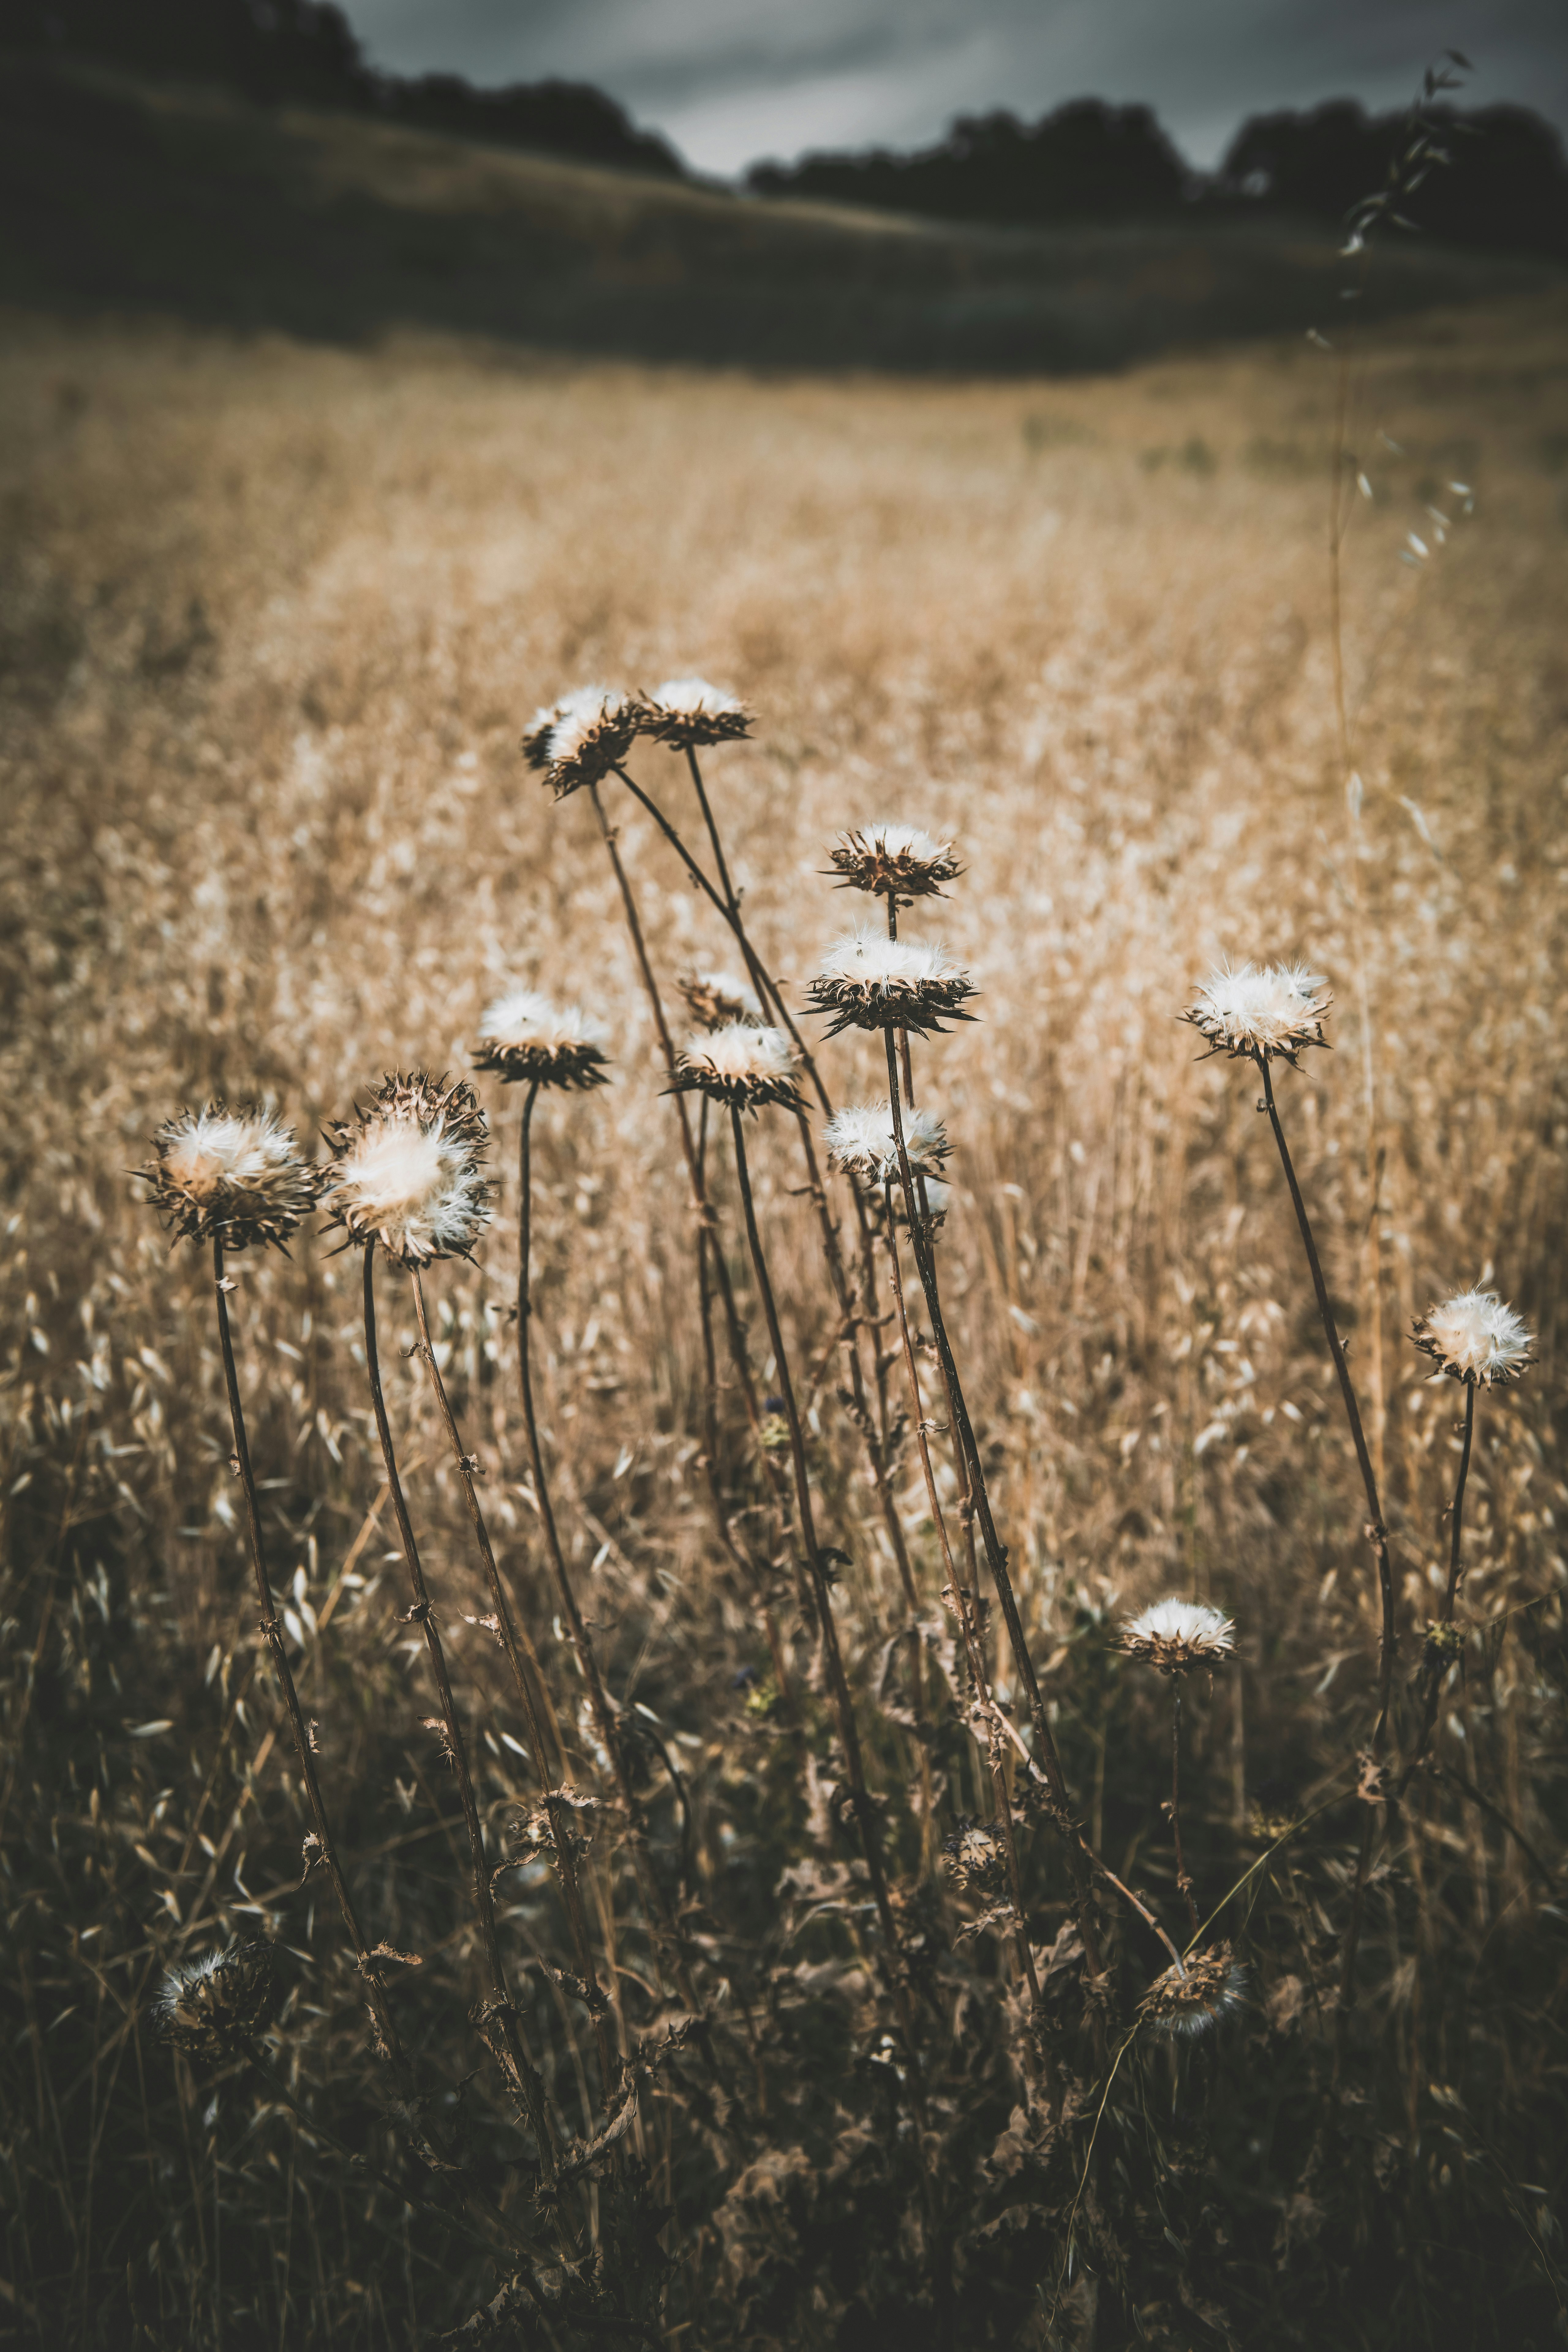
(304, 52)
(127, 197)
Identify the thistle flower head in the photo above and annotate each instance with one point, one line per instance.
(526, 1035)
(581, 738)
(860, 1140)
(1474, 1337)
(410, 1171)
(1176, 1635)
(870, 981)
(687, 713)
(218, 2005)
(236, 1177)
(741, 1063)
(1258, 1011)
(898, 861)
(1191, 1999)
(715, 998)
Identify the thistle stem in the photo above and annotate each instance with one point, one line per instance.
(1377, 1532)
(603, 1714)
(513, 2055)
(1184, 1884)
(557, 1813)
(848, 1730)
(1438, 1665)
(272, 1633)
(963, 1601)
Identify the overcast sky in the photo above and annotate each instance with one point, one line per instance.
(730, 81)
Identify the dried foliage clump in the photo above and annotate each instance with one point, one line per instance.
(655, 1796)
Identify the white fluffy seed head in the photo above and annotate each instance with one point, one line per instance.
(868, 980)
(410, 1173)
(581, 738)
(218, 2004)
(526, 1035)
(1474, 1337)
(741, 1062)
(237, 1176)
(1175, 1635)
(688, 713)
(1193, 1999)
(1261, 1010)
(860, 1140)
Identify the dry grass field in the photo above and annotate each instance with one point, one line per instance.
(272, 620)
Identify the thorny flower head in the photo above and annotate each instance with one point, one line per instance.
(860, 1140)
(1176, 1635)
(1474, 1337)
(870, 981)
(977, 1860)
(741, 1064)
(410, 1171)
(688, 713)
(1191, 1999)
(526, 1035)
(1258, 1010)
(218, 2005)
(716, 998)
(235, 1177)
(581, 738)
(896, 861)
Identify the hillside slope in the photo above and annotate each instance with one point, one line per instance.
(134, 197)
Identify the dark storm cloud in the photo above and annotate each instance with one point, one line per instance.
(733, 79)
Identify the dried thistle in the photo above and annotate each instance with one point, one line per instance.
(1192, 1998)
(870, 981)
(1176, 1635)
(895, 861)
(717, 999)
(236, 1177)
(741, 1063)
(216, 2006)
(1258, 1011)
(1474, 1337)
(577, 740)
(525, 1035)
(978, 1861)
(860, 1140)
(410, 1171)
(688, 713)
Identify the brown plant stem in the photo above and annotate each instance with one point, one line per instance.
(557, 1811)
(1377, 1532)
(963, 1605)
(848, 1730)
(660, 1918)
(1437, 1666)
(498, 2012)
(272, 1633)
(1184, 1884)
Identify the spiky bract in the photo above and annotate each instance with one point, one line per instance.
(896, 861)
(870, 981)
(1474, 1337)
(1176, 1635)
(860, 1140)
(688, 713)
(715, 998)
(1191, 1999)
(580, 739)
(525, 1035)
(1258, 1011)
(216, 2006)
(741, 1063)
(410, 1171)
(236, 1177)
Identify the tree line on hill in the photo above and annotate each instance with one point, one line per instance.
(1500, 177)
(1501, 180)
